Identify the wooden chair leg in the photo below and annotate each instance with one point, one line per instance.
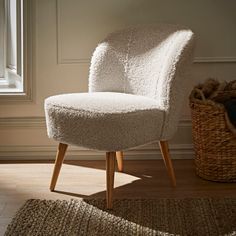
(168, 163)
(57, 166)
(119, 158)
(110, 171)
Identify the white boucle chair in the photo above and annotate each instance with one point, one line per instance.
(137, 84)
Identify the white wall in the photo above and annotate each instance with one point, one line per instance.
(67, 31)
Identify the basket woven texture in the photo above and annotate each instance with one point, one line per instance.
(214, 142)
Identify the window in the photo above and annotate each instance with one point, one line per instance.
(2, 18)
(15, 49)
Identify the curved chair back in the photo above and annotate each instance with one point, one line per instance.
(148, 61)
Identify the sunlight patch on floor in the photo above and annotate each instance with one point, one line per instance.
(72, 179)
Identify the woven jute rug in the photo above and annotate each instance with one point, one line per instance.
(129, 217)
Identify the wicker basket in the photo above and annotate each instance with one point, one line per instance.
(214, 143)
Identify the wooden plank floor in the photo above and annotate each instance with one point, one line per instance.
(86, 179)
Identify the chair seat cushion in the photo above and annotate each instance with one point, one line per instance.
(103, 120)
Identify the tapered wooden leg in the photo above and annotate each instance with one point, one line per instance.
(119, 159)
(168, 163)
(57, 166)
(110, 168)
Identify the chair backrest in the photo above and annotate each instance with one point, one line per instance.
(145, 60)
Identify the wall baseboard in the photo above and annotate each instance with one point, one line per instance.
(39, 122)
(35, 126)
(22, 122)
(74, 153)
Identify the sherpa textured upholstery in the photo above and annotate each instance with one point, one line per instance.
(104, 120)
(137, 84)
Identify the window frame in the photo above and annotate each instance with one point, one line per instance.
(2, 39)
(17, 83)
